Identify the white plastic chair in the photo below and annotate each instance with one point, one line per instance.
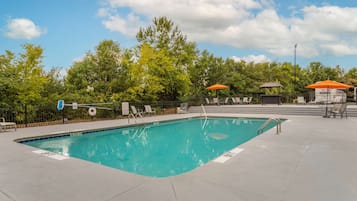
(207, 101)
(215, 101)
(250, 99)
(238, 100)
(226, 101)
(149, 110)
(135, 112)
(301, 100)
(245, 100)
(6, 125)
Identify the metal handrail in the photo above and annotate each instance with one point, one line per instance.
(266, 123)
(203, 110)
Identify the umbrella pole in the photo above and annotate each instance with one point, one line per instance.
(326, 116)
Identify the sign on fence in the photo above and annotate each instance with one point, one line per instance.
(60, 105)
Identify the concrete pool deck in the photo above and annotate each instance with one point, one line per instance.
(314, 158)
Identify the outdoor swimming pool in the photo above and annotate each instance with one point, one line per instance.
(158, 149)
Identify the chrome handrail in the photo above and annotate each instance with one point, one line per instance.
(266, 123)
(203, 110)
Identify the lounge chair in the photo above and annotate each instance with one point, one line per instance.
(301, 100)
(135, 112)
(338, 109)
(226, 101)
(250, 99)
(238, 100)
(207, 101)
(183, 108)
(247, 100)
(215, 101)
(6, 125)
(149, 110)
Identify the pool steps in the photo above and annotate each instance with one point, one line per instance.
(50, 154)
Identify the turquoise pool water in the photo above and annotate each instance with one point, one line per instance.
(157, 149)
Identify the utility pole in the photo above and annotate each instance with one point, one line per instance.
(294, 82)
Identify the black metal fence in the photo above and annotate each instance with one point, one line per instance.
(39, 115)
(47, 113)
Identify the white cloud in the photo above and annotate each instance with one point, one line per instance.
(103, 12)
(79, 59)
(252, 24)
(128, 26)
(252, 58)
(339, 49)
(21, 28)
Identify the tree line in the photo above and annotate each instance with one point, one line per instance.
(163, 66)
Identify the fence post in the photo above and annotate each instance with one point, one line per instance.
(63, 116)
(26, 115)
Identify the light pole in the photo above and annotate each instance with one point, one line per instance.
(295, 46)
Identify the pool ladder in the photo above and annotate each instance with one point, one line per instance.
(267, 122)
(203, 111)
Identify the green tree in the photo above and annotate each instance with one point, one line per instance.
(199, 75)
(352, 73)
(30, 76)
(173, 56)
(99, 75)
(318, 72)
(351, 76)
(8, 87)
(54, 88)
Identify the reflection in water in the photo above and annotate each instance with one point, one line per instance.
(158, 150)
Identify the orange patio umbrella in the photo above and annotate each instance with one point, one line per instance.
(328, 84)
(217, 86)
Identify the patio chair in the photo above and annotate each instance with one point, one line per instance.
(149, 110)
(338, 109)
(337, 99)
(226, 101)
(238, 100)
(183, 108)
(250, 99)
(135, 112)
(245, 100)
(207, 101)
(301, 100)
(215, 101)
(6, 125)
(234, 100)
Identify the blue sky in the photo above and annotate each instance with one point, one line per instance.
(253, 30)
